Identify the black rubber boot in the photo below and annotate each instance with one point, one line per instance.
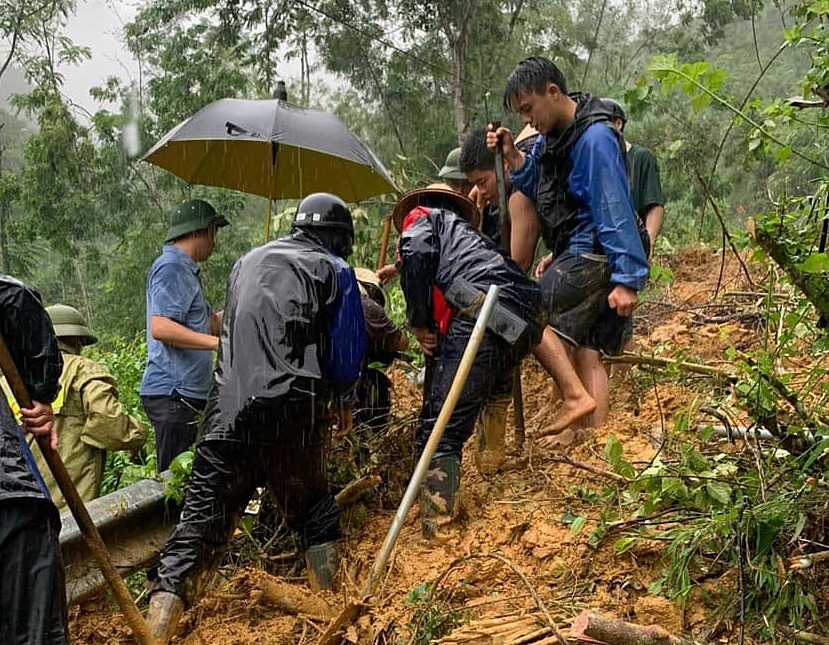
(322, 562)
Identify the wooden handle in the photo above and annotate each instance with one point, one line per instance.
(384, 243)
(434, 439)
(90, 532)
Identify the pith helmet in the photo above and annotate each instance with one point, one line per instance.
(436, 196)
(68, 321)
(452, 166)
(193, 215)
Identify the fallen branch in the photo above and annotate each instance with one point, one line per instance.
(805, 637)
(697, 368)
(590, 626)
(290, 598)
(563, 459)
(352, 491)
(807, 560)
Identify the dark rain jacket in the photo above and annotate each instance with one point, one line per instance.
(557, 207)
(439, 247)
(293, 336)
(29, 335)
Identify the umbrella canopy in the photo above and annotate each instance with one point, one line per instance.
(271, 148)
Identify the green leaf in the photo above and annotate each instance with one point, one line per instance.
(578, 523)
(613, 449)
(719, 491)
(782, 154)
(623, 544)
(815, 263)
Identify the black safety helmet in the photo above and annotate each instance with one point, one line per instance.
(616, 110)
(329, 219)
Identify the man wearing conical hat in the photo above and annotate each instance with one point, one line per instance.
(445, 266)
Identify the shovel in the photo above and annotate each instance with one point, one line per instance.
(353, 609)
(73, 500)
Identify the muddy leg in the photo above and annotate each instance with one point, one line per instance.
(552, 354)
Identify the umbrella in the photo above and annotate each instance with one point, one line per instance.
(271, 148)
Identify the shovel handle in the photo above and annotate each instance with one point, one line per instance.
(90, 532)
(384, 242)
(434, 439)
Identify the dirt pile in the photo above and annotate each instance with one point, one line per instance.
(525, 542)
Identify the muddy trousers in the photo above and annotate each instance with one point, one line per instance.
(32, 595)
(490, 377)
(222, 481)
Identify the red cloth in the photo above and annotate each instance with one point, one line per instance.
(441, 311)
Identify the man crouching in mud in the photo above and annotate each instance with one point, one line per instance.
(446, 266)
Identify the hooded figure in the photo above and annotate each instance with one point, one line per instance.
(292, 342)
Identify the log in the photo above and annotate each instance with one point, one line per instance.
(589, 626)
(352, 491)
(815, 286)
(290, 598)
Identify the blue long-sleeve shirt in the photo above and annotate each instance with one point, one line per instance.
(598, 180)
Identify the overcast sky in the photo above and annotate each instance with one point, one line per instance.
(98, 25)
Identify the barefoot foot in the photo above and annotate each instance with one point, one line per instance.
(572, 410)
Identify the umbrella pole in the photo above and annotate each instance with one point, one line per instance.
(268, 221)
(384, 243)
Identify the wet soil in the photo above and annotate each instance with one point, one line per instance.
(523, 538)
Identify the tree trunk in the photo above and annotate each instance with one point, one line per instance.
(4, 241)
(455, 20)
(815, 286)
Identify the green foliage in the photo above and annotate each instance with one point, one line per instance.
(432, 618)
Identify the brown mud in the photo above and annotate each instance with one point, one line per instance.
(516, 542)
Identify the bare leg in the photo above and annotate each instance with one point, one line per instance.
(552, 354)
(593, 373)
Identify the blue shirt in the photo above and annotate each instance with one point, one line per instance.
(174, 291)
(598, 180)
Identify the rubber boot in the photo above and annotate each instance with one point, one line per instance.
(491, 432)
(163, 615)
(437, 495)
(322, 562)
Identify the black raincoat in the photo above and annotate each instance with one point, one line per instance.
(29, 335)
(436, 249)
(439, 248)
(293, 336)
(32, 597)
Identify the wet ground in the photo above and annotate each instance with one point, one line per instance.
(523, 541)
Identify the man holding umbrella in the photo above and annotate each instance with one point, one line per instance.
(182, 331)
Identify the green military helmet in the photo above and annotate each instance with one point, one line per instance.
(193, 215)
(68, 322)
(452, 167)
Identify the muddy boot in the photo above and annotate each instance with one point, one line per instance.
(322, 562)
(163, 615)
(437, 494)
(491, 431)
